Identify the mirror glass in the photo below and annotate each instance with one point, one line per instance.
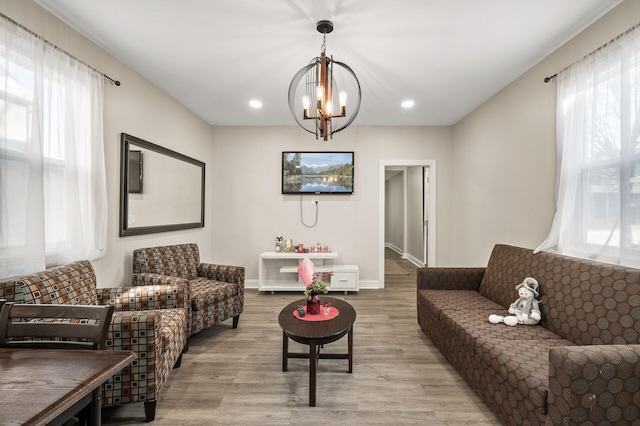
(160, 190)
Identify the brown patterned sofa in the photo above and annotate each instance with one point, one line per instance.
(150, 321)
(579, 365)
(217, 291)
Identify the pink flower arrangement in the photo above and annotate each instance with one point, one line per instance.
(314, 281)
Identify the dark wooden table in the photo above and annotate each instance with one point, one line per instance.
(315, 334)
(49, 386)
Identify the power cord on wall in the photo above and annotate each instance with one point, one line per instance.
(302, 220)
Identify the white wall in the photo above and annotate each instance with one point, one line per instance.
(249, 210)
(496, 168)
(137, 108)
(505, 153)
(244, 207)
(394, 212)
(415, 221)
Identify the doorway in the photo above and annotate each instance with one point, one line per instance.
(407, 211)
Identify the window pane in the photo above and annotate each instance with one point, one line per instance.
(601, 206)
(55, 206)
(16, 123)
(13, 227)
(632, 79)
(632, 239)
(603, 124)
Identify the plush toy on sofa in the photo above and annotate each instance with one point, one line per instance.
(525, 310)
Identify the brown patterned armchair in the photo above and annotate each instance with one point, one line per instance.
(150, 321)
(217, 291)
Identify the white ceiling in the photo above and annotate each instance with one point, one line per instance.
(214, 56)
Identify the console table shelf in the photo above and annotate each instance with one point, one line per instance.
(276, 271)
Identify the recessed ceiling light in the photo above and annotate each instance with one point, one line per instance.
(408, 103)
(254, 103)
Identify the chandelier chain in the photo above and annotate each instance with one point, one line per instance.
(323, 48)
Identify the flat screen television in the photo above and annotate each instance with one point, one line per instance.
(305, 172)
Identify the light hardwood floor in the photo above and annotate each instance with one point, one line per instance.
(234, 377)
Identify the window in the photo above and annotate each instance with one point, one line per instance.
(52, 176)
(598, 130)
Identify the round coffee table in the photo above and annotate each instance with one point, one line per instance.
(315, 334)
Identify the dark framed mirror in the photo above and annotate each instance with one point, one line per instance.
(166, 195)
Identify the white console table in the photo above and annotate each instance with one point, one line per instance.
(284, 266)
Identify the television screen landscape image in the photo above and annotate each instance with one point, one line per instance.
(317, 172)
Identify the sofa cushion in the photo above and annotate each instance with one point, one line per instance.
(148, 297)
(459, 300)
(508, 266)
(179, 260)
(470, 311)
(476, 326)
(587, 302)
(519, 371)
(206, 292)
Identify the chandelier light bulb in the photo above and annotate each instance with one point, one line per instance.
(329, 109)
(342, 99)
(306, 103)
(319, 93)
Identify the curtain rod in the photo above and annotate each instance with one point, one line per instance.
(619, 36)
(39, 37)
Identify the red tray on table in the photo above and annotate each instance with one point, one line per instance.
(333, 312)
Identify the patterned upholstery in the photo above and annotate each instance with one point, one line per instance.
(216, 291)
(596, 384)
(150, 321)
(543, 374)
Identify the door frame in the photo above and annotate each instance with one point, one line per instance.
(431, 234)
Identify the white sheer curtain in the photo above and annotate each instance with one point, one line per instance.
(53, 202)
(598, 133)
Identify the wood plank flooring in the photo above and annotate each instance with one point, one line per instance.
(234, 377)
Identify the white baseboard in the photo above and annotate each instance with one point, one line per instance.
(394, 248)
(251, 283)
(369, 284)
(414, 260)
(404, 255)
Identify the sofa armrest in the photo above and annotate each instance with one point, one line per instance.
(136, 325)
(594, 384)
(146, 297)
(449, 278)
(226, 273)
(137, 331)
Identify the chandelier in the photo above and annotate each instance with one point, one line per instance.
(314, 92)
